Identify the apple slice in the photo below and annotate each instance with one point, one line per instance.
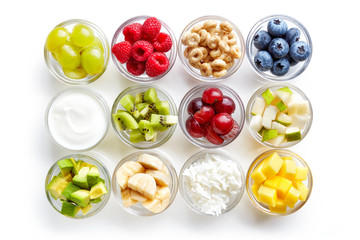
(284, 119)
(258, 106)
(270, 112)
(256, 123)
(292, 134)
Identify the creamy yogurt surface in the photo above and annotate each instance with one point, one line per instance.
(77, 120)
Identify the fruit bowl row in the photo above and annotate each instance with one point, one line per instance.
(144, 49)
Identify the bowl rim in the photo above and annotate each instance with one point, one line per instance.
(235, 67)
(257, 26)
(257, 161)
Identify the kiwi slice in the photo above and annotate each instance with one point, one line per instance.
(146, 128)
(128, 102)
(141, 106)
(150, 96)
(139, 98)
(136, 136)
(123, 120)
(163, 107)
(162, 122)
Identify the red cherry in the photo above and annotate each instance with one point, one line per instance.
(195, 105)
(227, 105)
(211, 136)
(193, 127)
(204, 115)
(212, 95)
(233, 132)
(222, 123)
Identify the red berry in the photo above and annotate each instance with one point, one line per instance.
(122, 51)
(227, 105)
(212, 95)
(162, 43)
(193, 127)
(222, 123)
(204, 115)
(150, 28)
(141, 50)
(134, 67)
(211, 136)
(156, 64)
(132, 32)
(195, 105)
(233, 133)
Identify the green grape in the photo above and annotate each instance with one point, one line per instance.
(77, 73)
(68, 57)
(82, 35)
(97, 43)
(92, 60)
(56, 39)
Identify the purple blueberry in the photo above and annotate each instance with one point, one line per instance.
(300, 51)
(292, 35)
(277, 27)
(278, 48)
(263, 61)
(280, 67)
(262, 40)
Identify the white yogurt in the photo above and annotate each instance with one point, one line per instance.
(77, 120)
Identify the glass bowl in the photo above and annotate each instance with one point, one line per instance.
(197, 91)
(162, 137)
(119, 37)
(137, 209)
(283, 153)
(56, 69)
(195, 72)
(251, 50)
(81, 131)
(104, 174)
(299, 94)
(198, 158)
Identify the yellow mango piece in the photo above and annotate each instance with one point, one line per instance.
(292, 197)
(273, 181)
(280, 206)
(86, 209)
(301, 174)
(288, 169)
(304, 191)
(272, 165)
(287, 158)
(283, 187)
(267, 195)
(255, 189)
(257, 175)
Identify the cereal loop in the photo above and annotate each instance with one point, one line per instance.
(212, 42)
(228, 58)
(230, 64)
(210, 24)
(235, 51)
(215, 53)
(184, 38)
(219, 73)
(223, 46)
(218, 64)
(193, 40)
(196, 28)
(223, 56)
(187, 52)
(226, 26)
(206, 69)
(196, 55)
(203, 35)
(205, 52)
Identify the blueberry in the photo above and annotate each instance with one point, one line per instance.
(263, 60)
(262, 40)
(277, 27)
(280, 67)
(292, 35)
(300, 51)
(291, 61)
(278, 48)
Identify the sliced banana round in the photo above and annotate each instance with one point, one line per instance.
(126, 197)
(135, 195)
(160, 201)
(149, 161)
(127, 170)
(160, 178)
(144, 184)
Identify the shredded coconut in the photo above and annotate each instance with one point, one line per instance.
(212, 183)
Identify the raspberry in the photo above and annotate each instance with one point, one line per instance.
(134, 67)
(150, 28)
(141, 50)
(157, 64)
(122, 51)
(163, 42)
(132, 32)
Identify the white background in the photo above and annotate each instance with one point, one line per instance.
(330, 148)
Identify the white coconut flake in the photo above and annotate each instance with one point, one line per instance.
(212, 183)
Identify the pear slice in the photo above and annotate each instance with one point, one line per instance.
(284, 119)
(278, 126)
(258, 106)
(270, 112)
(283, 93)
(277, 141)
(300, 121)
(269, 96)
(256, 123)
(292, 134)
(269, 134)
(266, 122)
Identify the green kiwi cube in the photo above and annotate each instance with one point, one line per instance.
(136, 136)
(128, 102)
(163, 107)
(141, 106)
(70, 188)
(81, 197)
(162, 122)
(146, 128)
(124, 120)
(150, 96)
(139, 98)
(65, 166)
(69, 209)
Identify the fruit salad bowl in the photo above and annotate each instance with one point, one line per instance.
(218, 39)
(144, 116)
(265, 38)
(131, 37)
(211, 115)
(61, 182)
(279, 115)
(133, 182)
(93, 56)
(280, 178)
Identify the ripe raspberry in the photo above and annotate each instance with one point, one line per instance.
(162, 42)
(134, 67)
(157, 64)
(141, 50)
(150, 28)
(122, 51)
(132, 32)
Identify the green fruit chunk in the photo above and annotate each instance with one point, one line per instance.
(75, 168)
(139, 98)
(136, 136)
(150, 96)
(92, 60)
(141, 106)
(68, 57)
(268, 96)
(128, 102)
(86, 209)
(281, 106)
(284, 93)
(81, 197)
(146, 128)
(96, 200)
(269, 134)
(163, 107)
(284, 119)
(162, 122)
(56, 39)
(77, 73)
(56, 186)
(82, 35)
(98, 190)
(70, 188)
(292, 134)
(80, 179)
(123, 121)
(69, 209)
(65, 166)
(93, 176)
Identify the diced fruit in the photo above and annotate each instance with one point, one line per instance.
(136, 136)
(98, 190)
(258, 106)
(270, 112)
(272, 182)
(150, 96)
(127, 170)
(288, 169)
(75, 169)
(277, 141)
(299, 121)
(144, 184)
(292, 197)
(163, 107)
(65, 166)
(304, 190)
(70, 188)
(284, 119)
(257, 175)
(268, 96)
(283, 187)
(123, 120)
(255, 188)
(266, 122)
(301, 174)
(160, 178)
(81, 197)
(280, 207)
(292, 134)
(137, 196)
(281, 106)
(93, 176)
(128, 102)
(86, 209)
(256, 123)
(283, 93)
(146, 128)
(56, 187)
(69, 209)
(162, 122)
(269, 134)
(267, 195)
(272, 165)
(160, 202)
(150, 161)
(80, 179)
(127, 200)
(279, 127)
(301, 107)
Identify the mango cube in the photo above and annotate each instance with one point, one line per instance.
(288, 169)
(272, 165)
(267, 195)
(292, 197)
(304, 191)
(272, 182)
(301, 174)
(280, 207)
(255, 189)
(283, 187)
(257, 175)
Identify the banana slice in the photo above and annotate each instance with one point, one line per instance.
(160, 202)
(138, 196)
(126, 197)
(165, 170)
(160, 178)
(126, 171)
(144, 184)
(149, 161)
